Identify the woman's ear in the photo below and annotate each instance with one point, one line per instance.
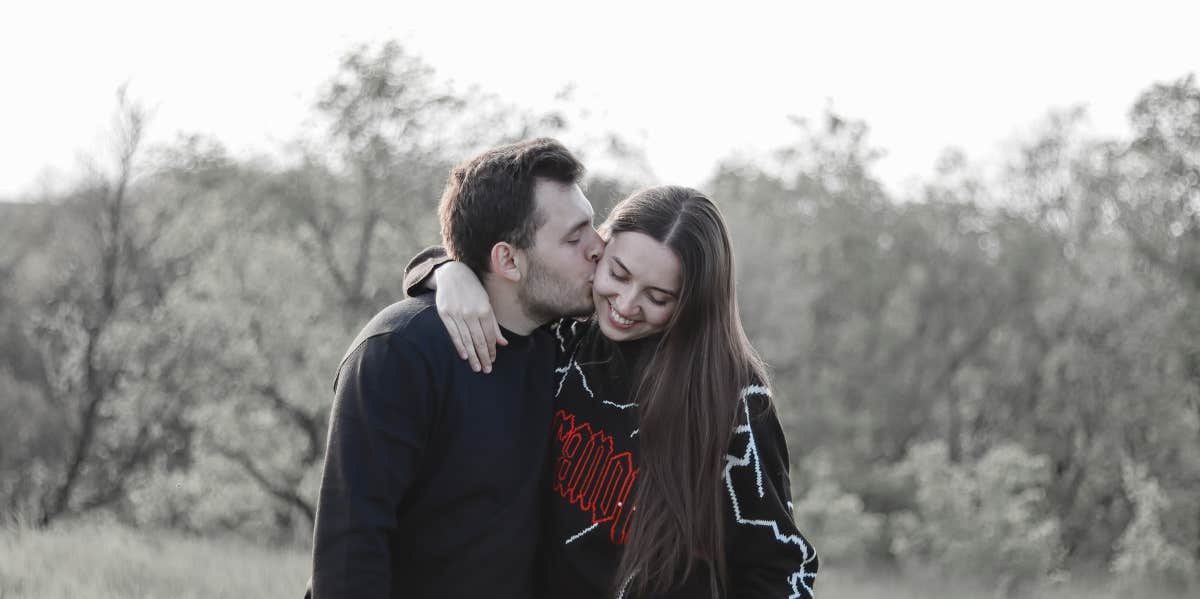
(506, 261)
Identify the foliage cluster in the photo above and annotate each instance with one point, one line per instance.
(992, 376)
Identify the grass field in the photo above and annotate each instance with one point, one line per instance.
(93, 561)
(110, 562)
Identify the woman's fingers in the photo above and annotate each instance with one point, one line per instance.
(452, 330)
(495, 326)
(489, 337)
(465, 333)
(484, 350)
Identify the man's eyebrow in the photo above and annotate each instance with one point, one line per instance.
(581, 224)
(659, 289)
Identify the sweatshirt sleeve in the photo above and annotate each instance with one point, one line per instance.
(768, 555)
(378, 429)
(421, 267)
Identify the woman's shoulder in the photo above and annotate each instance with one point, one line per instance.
(755, 399)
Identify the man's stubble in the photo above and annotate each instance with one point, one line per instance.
(547, 296)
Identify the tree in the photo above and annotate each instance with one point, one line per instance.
(306, 255)
(98, 351)
(1154, 190)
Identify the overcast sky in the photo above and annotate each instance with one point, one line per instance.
(692, 84)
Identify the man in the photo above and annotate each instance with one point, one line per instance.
(433, 473)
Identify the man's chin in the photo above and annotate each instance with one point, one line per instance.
(581, 311)
(549, 312)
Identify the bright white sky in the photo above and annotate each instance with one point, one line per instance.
(693, 84)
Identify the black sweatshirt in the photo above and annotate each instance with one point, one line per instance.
(434, 475)
(595, 469)
(595, 465)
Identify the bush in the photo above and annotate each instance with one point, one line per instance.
(834, 520)
(988, 520)
(1144, 554)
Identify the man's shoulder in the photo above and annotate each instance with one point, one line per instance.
(407, 316)
(412, 321)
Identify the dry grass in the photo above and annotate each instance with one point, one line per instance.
(98, 561)
(104, 561)
(851, 585)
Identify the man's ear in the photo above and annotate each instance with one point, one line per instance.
(506, 261)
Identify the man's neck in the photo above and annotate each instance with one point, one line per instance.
(507, 307)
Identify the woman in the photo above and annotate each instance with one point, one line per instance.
(671, 471)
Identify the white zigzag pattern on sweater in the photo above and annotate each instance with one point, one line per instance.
(797, 579)
(625, 586)
(565, 371)
(745, 428)
(558, 333)
(579, 534)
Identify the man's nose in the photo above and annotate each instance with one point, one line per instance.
(594, 252)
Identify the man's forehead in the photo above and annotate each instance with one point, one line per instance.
(561, 203)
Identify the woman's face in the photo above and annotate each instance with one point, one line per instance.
(636, 288)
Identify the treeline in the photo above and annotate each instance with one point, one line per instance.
(998, 378)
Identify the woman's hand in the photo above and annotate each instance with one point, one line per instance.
(465, 310)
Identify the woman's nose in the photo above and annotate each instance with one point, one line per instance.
(624, 305)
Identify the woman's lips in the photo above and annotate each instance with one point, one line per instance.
(617, 320)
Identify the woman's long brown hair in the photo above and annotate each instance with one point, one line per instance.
(687, 397)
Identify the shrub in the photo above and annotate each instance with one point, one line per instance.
(834, 520)
(986, 520)
(1144, 554)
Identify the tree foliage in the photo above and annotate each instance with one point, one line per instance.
(991, 376)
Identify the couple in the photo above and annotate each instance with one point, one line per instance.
(632, 454)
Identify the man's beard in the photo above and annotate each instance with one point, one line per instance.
(546, 296)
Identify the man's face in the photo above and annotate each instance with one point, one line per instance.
(562, 260)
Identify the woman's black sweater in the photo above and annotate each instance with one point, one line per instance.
(595, 456)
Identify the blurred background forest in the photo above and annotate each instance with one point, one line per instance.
(993, 380)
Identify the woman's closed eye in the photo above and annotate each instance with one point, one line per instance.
(624, 278)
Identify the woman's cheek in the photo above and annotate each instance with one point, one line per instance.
(663, 315)
(601, 283)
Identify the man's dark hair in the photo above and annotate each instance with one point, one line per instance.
(489, 198)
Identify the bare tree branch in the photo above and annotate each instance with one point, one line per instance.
(313, 431)
(98, 382)
(279, 492)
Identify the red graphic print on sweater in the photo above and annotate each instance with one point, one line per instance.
(589, 474)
